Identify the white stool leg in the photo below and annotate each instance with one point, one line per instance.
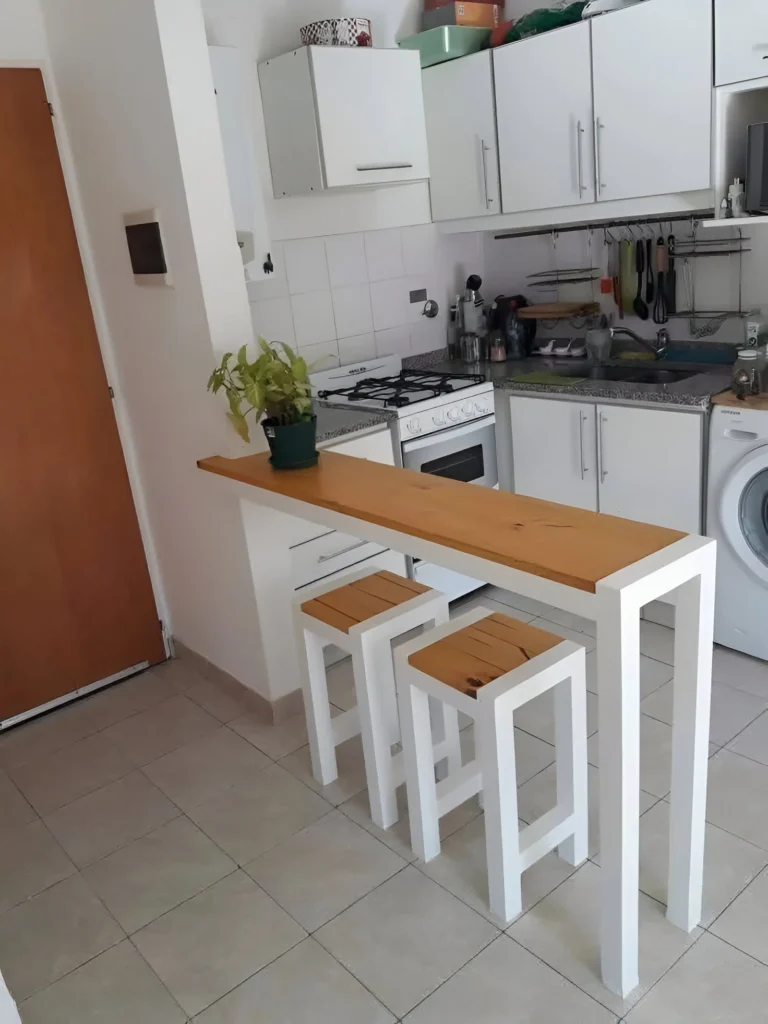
(496, 735)
(419, 769)
(317, 708)
(369, 664)
(571, 759)
(385, 674)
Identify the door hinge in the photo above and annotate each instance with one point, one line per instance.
(50, 109)
(111, 392)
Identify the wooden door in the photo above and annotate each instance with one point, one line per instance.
(553, 451)
(650, 466)
(652, 73)
(544, 114)
(461, 134)
(741, 40)
(76, 603)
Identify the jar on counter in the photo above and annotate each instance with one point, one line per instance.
(746, 373)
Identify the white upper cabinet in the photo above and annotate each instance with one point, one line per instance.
(340, 117)
(544, 113)
(741, 40)
(461, 134)
(652, 74)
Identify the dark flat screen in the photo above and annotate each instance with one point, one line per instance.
(145, 246)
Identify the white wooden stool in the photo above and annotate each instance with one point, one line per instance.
(487, 665)
(362, 613)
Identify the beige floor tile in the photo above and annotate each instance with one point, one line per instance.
(657, 642)
(121, 700)
(181, 673)
(539, 795)
(517, 602)
(206, 767)
(653, 674)
(213, 942)
(571, 621)
(116, 987)
(220, 701)
(30, 860)
(58, 779)
(740, 671)
(150, 734)
(744, 923)
(504, 983)
(43, 736)
(537, 717)
(563, 931)
(275, 741)
(712, 984)
(462, 869)
(154, 874)
(406, 938)
(247, 820)
(584, 639)
(319, 872)
(732, 710)
(101, 822)
(481, 600)
(753, 742)
(14, 809)
(351, 765)
(52, 934)
(655, 755)
(737, 796)
(327, 994)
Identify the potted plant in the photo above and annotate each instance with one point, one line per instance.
(277, 385)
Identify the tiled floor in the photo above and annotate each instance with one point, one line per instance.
(166, 856)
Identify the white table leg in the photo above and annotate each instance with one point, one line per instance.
(690, 744)
(571, 759)
(618, 684)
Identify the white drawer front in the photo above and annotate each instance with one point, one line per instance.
(328, 554)
(741, 40)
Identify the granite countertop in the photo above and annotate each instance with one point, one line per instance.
(333, 422)
(695, 392)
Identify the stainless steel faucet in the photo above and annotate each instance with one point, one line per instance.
(658, 349)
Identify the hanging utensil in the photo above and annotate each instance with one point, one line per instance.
(620, 279)
(649, 290)
(627, 277)
(660, 315)
(640, 308)
(671, 276)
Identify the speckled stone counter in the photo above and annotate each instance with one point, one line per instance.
(333, 422)
(694, 393)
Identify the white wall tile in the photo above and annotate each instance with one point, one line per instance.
(384, 253)
(419, 248)
(389, 303)
(393, 342)
(352, 310)
(356, 350)
(306, 265)
(321, 357)
(346, 260)
(415, 283)
(428, 336)
(276, 285)
(273, 319)
(313, 318)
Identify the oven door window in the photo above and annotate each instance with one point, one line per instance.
(467, 465)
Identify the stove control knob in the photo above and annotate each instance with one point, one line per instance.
(454, 414)
(439, 419)
(413, 427)
(481, 407)
(467, 409)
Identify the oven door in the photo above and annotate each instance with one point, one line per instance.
(466, 452)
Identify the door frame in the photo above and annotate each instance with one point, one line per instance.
(106, 348)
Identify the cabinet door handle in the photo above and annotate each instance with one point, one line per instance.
(603, 470)
(581, 445)
(483, 151)
(598, 128)
(342, 551)
(383, 167)
(580, 158)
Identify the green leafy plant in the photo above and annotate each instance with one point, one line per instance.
(276, 384)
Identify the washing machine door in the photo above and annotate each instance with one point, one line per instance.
(744, 511)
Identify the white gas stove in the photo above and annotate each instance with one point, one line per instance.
(443, 424)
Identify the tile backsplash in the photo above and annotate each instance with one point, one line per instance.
(346, 298)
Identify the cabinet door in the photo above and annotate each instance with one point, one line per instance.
(544, 114)
(461, 136)
(741, 40)
(650, 466)
(652, 69)
(371, 115)
(553, 451)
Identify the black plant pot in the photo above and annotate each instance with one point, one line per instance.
(292, 444)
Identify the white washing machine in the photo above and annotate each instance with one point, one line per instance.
(737, 518)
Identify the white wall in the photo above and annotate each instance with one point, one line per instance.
(110, 66)
(22, 36)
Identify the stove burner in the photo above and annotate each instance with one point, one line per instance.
(408, 387)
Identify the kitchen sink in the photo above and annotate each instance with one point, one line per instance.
(627, 374)
(662, 376)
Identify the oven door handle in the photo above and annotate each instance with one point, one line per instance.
(449, 434)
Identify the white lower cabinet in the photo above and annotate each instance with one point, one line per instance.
(641, 464)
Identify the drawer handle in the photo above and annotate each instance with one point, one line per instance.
(342, 551)
(383, 167)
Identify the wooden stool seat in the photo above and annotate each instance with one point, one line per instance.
(482, 652)
(356, 602)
